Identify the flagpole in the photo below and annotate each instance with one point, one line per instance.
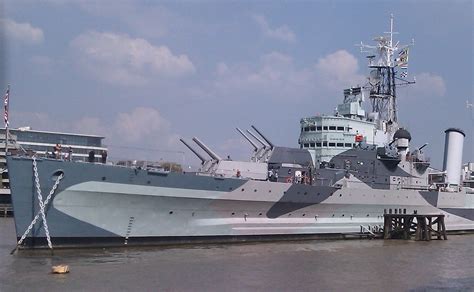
(7, 101)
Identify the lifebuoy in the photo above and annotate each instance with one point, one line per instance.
(289, 179)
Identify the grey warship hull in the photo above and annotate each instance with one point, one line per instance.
(98, 205)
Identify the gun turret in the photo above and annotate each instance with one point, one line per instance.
(248, 139)
(258, 139)
(208, 151)
(264, 138)
(194, 151)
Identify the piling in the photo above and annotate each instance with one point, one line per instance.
(421, 227)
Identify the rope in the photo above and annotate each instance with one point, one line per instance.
(42, 205)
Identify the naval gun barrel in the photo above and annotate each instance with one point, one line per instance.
(264, 138)
(248, 139)
(207, 149)
(423, 146)
(194, 151)
(258, 139)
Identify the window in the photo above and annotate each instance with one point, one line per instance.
(332, 144)
(306, 129)
(325, 128)
(311, 145)
(313, 129)
(318, 144)
(340, 144)
(325, 144)
(340, 128)
(306, 145)
(332, 128)
(319, 128)
(349, 145)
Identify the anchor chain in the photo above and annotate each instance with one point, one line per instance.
(42, 205)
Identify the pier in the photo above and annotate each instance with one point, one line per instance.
(422, 227)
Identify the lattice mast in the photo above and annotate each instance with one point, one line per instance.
(383, 75)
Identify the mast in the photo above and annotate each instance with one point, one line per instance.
(384, 68)
(6, 108)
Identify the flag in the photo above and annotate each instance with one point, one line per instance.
(404, 74)
(402, 60)
(7, 98)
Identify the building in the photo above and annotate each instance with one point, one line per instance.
(42, 143)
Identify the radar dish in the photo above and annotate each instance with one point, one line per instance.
(374, 77)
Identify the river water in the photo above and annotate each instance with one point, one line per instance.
(318, 265)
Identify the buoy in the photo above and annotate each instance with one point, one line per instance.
(60, 269)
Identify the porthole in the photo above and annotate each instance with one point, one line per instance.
(255, 190)
(148, 182)
(104, 178)
(243, 190)
(259, 214)
(171, 212)
(304, 214)
(233, 213)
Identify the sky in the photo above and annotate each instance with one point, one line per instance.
(146, 73)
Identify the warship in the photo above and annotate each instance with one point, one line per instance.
(280, 192)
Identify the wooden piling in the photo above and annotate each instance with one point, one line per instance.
(422, 227)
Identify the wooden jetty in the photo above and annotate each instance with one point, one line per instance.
(422, 227)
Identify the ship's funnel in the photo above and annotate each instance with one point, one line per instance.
(264, 138)
(208, 151)
(248, 139)
(193, 151)
(258, 139)
(452, 163)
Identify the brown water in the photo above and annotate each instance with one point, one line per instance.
(345, 265)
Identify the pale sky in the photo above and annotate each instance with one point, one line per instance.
(145, 73)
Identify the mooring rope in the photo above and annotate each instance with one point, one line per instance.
(42, 205)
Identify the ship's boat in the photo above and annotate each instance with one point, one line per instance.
(280, 192)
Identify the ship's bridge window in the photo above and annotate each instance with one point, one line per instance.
(313, 129)
(348, 145)
(332, 144)
(318, 144)
(340, 128)
(319, 128)
(332, 128)
(306, 129)
(311, 145)
(306, 145)
(325, 144)
(325, 128)
(340, 144)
